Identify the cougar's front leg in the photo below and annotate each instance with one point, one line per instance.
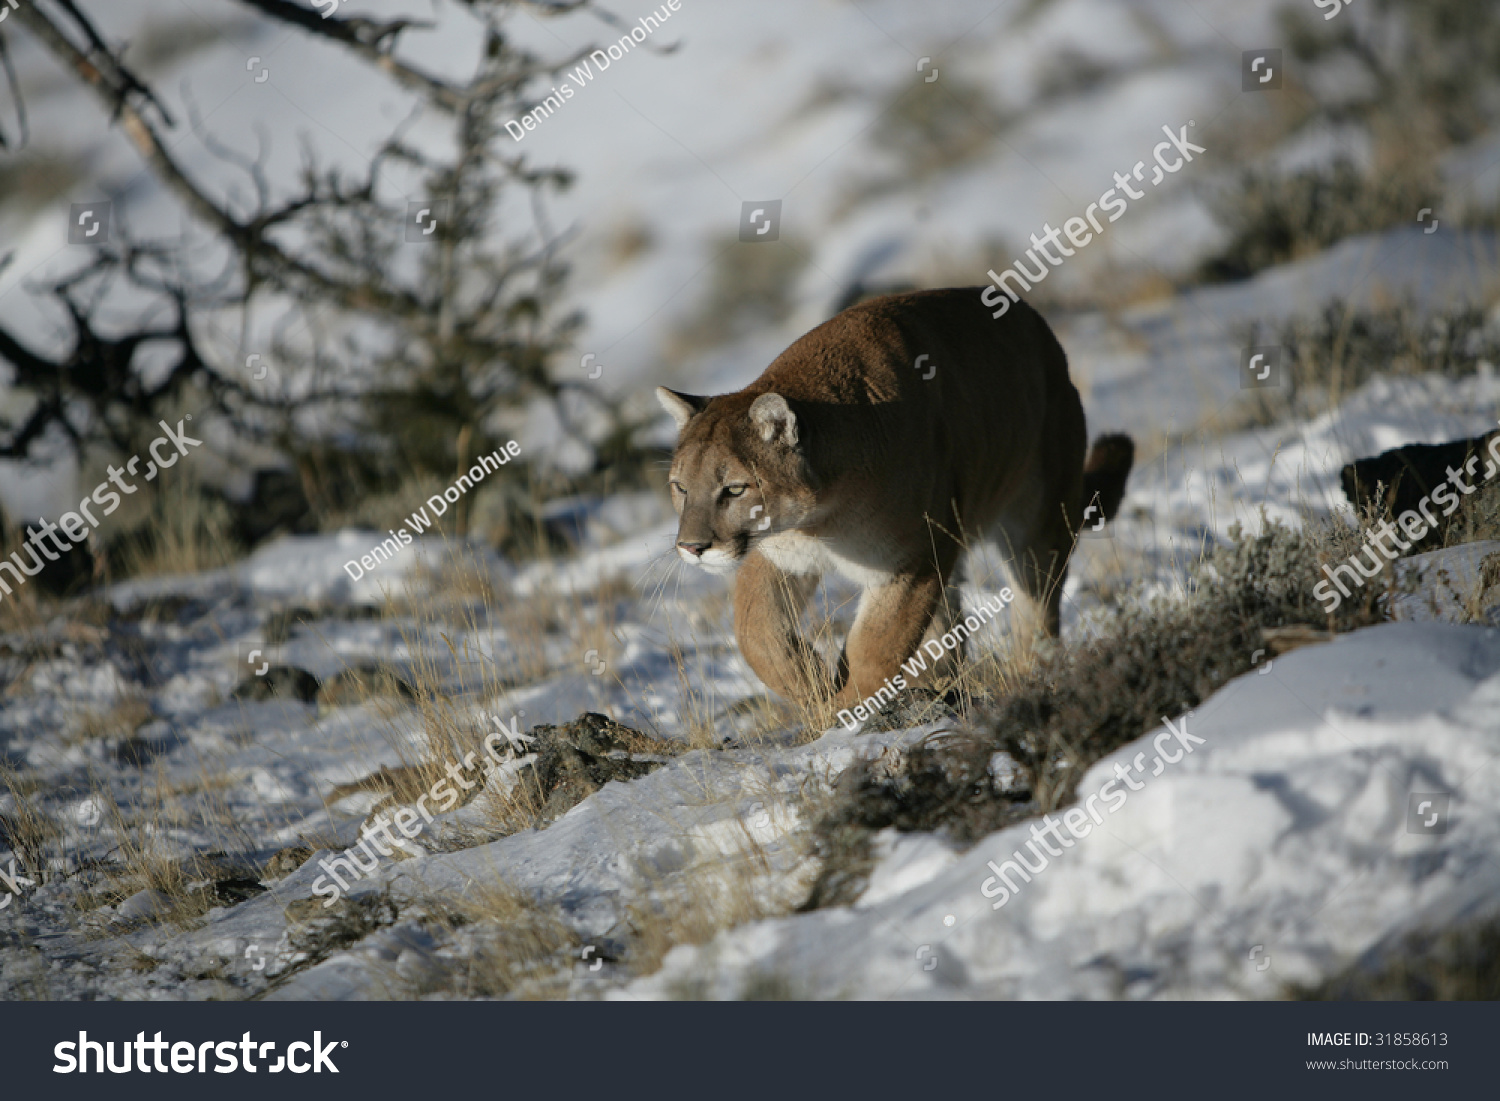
(768, 604)
(892, 620)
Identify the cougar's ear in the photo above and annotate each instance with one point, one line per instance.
(683, 407)
(774, 420)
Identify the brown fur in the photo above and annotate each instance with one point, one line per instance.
(865, 467)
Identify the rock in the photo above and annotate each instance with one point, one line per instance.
(1456, 585)
(220, 879)
(1008, 776)
(148, 743)
(225, 892)
(136, 752)
(147, 905)
(176, 608)
(285, 682)
(277, 503)
(286, 861)
(280, 624)
(577, 759)
(356, 684)
(319, 929)
(1405, 475)
(912, 707)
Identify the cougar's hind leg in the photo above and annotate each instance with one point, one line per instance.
(1037, 553)
(1041, 570)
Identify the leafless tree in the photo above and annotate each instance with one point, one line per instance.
(451, 333)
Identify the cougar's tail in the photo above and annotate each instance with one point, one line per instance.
(1104, 475)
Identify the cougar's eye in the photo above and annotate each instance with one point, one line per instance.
(735, 491)
(677, 487)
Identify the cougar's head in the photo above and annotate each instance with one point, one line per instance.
(739, 474)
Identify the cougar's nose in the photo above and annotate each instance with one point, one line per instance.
(695, 549)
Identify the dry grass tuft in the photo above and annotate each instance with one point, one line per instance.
(698, 906)
(1273, 218)
(121, 720)
(511, 941)
(187, 532)
(27, 829)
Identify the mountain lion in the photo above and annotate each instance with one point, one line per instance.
(878, 446)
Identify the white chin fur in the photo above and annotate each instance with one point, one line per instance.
(714, 561)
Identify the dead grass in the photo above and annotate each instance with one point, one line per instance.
(1273, 218)
(1163, 657)
(1477, 518)
(27, 829)
(698, 906)
(186, 532)
(1078, 702)
(513, 941)
(454, 624)
(120, 720)
(1329, 357)
(1426, 67)
(144, 856)
(25, 610)
(386, 509)
(1459, 964)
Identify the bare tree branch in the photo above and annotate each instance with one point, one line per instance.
(371, 40)
(113, 83)
(15, 93)
(100, 50)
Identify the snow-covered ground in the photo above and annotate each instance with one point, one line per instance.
(1282, 847)
(1289, 827)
